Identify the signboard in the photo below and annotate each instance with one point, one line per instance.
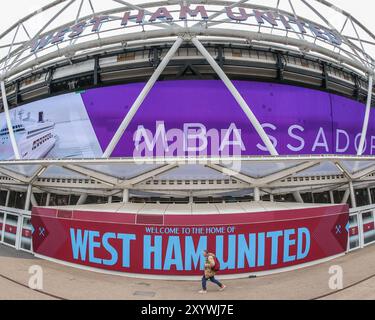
(188, 118)
(273, 19)
(201, 117)
(173, 245)
(57, 127)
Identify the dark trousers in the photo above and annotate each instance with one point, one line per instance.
(212, 279)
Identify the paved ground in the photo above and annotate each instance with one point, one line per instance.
(70, 283)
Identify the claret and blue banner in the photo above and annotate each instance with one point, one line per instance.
(188, 117)
(172, 245)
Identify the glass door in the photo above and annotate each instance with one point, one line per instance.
(10, 230)
(368, 227)
(26, 235)
(354, 237)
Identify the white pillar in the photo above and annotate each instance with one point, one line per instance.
(7, 199)
(331, 197)
(298, 197)
(19, 232)
(240, 100)
(48, 199)
(125, 196)
(346, 196)
(28, 197)
(272, 198)
(360, 230)
(369, 195)
(82, 199)
(352, 195)
(361, 147)
(110, 198)
(33, 200)
(191, 199)
(9, 122)
(142, 96)
(256, 194)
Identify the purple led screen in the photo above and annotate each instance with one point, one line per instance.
(197, 117)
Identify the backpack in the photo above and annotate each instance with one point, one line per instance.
(216, 267)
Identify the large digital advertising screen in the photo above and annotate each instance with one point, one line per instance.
(54, 128)
(187, 118)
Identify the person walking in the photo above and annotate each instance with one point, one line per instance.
(211, 266)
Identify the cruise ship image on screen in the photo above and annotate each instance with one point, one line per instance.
(35, 139)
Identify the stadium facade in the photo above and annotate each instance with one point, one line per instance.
(140, 134)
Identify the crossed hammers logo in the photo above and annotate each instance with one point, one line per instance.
(338, 229)
(42, 231)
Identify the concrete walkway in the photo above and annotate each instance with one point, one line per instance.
(70, 283)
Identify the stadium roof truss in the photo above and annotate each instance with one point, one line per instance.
(70, 28)
(105, 27)
(160, 177)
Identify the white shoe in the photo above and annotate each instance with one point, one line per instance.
(222, 288)
(202, 291)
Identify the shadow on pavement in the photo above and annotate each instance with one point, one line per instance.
(9, 252)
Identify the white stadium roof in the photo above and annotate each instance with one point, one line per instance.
(15, 42)
(63, 30)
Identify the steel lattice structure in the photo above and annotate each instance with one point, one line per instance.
(16, 41)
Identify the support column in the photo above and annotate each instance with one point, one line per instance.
(298, 197)
(361, 148)
(19, 232)
(48, 199)
(360, 230)
(272, 198)
(110, 199)
(9, 122)
(369, 195)
(7, 199)
(142, 96)
(346, 196)
(332, 198)
(82, 199)
(28, 197)
(125, 196)
(191, 199)
(33, 200)
(352, 195)
(256, 194)
(240, 100)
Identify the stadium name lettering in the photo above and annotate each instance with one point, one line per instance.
(252, 17)
(184, 253)
(197, 139)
